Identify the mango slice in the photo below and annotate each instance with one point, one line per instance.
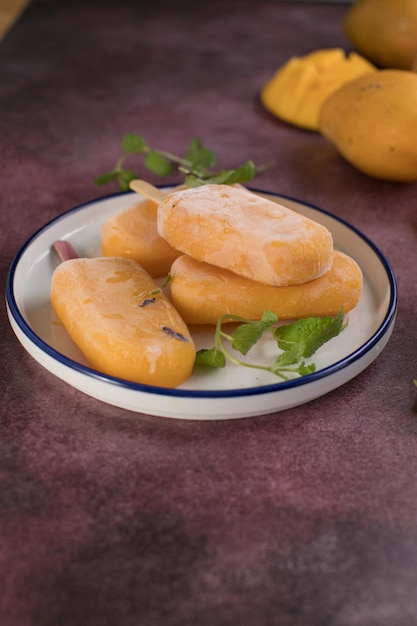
(132, 233)
(124, 325)
(372, 122)
(202, 293)
(298, 89)
(248, 234)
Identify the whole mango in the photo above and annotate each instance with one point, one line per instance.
(298, 89)
(372, 121)
(384, 31)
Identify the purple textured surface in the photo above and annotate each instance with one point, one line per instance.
(302, 518)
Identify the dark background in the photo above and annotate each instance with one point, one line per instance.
(301, 518)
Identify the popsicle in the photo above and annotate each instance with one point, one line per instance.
(132, 233)
(250, 235)
(202, 293)
(122, 322)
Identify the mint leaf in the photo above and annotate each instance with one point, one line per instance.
(297, 340)
(290, 356)
(301, 369)
(167, 280)
(195, 166)
(241, 174)
(132, 143)
(105, 178)
(199, 156)
(305, 336)
(304, 369)
(210, 358)
(157, 163)
(124, 177)
(246, 335)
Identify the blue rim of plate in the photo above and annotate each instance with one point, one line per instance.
(207, 393)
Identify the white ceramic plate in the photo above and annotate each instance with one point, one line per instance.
(232, 392)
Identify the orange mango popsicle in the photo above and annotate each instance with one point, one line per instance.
(202, 293)
(121, 321)
(132, 233)
(252, 236)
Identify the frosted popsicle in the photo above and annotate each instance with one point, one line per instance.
(253, 236)
(202, 293)
(121, 321)
(132, 233)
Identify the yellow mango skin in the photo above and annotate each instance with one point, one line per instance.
(384, 31)
(202, 293)
(132, 233)
(298, 89)
(106, 305)
(372, 122)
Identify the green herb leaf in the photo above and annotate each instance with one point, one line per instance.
(196, 165)
(157, 163)
(304, 369)
(199, 156)
(124, 177)
(297, 340)
(105, 178)
(241, 174)
(305, 336)
(246, 335)
(210, 358)
(167, 280)
(132, 143)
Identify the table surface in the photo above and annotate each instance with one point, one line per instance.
(304, 517)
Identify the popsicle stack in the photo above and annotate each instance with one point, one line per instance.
(244, 253)
(228, 250)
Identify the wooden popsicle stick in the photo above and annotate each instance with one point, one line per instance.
(147, 190)
(65, 250)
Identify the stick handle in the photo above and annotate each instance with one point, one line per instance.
(65, 250)
(147, 190)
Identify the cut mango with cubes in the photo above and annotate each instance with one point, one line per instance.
(299, 88)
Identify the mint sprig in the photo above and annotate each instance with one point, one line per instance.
(196, 165)
(305, 336)
(297, 341)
